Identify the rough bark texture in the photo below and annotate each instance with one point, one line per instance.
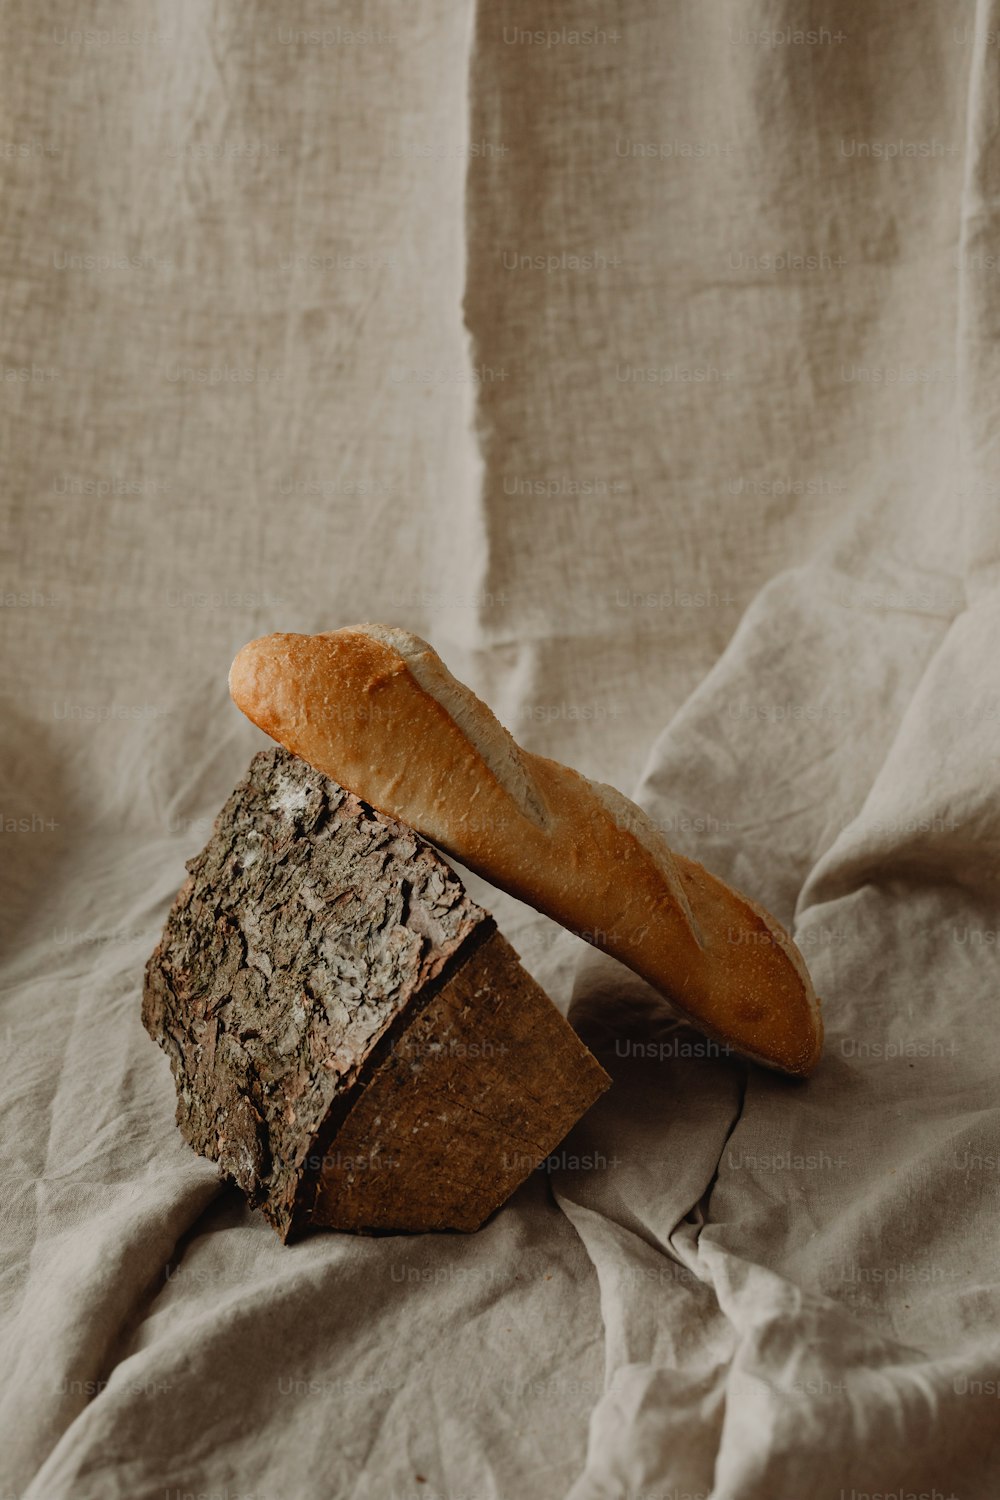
(350, 1037)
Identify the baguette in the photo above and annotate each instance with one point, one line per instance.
(375, 708)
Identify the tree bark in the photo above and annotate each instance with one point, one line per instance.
(350, 1037)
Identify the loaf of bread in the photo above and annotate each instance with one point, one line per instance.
(375, 708)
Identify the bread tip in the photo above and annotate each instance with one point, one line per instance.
(239, 673)
(245, 675)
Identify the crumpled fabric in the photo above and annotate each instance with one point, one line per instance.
(645, 364)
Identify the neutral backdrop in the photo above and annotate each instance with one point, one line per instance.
(647, 366)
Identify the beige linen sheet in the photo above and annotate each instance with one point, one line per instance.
(644, 359)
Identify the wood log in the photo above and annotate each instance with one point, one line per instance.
(351, 1038)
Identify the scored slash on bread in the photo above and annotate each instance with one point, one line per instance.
(375, 708)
